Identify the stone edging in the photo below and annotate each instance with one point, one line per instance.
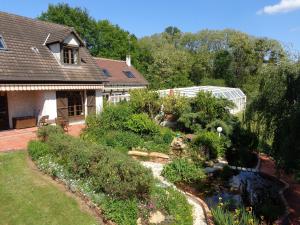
(206, 210)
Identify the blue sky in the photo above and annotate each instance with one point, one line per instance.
(279, 19)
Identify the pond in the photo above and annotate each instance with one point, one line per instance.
(257, 190)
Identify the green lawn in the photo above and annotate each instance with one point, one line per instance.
(26, 197)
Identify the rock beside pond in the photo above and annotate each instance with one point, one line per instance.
(156, 217)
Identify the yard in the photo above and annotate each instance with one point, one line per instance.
(27, 197)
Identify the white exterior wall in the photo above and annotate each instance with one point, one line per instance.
(47, 104)
(71, 40)
(31, 103)
(99, 101)
(21, 104)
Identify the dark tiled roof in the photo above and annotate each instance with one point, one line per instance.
(117, 76)
(19, 63)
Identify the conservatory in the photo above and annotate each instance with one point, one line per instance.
(233, 94)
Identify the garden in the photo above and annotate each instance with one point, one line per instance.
(98, 164)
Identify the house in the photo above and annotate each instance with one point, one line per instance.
(121, 77)
(46, 70)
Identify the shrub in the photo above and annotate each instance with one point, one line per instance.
(173, 204)
(176, 105)
(122, 212)
(44, 132)
(120, 140)
(120, 176)
(182, 170)
(113, 117)
(141, 124)
(37, 149)
(226, 129)
(145, 101)
(110, 171)
(210, 143)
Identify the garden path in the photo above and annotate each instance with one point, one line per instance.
(198, 213)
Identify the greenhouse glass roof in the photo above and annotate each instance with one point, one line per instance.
(234, 94)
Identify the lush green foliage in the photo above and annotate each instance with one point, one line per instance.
(173, 203)
(119, 185)
(205, 109)
(176, 105)
(210, 143)
(142, 124)
(26, 195)
(145, 101)
(44, 132)
(173, 58)
(128, 125)
(109, 171)
(37, 149)
(275, 114)
(183, 171)
(222, 216)
(123, 212)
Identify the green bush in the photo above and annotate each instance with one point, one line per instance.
(141, 124)
(122, 212)
(113, 117)
(37, 149)
(176, 105)
(174, 204)
(182, 170)
(111, 172)
(44, 132)
(120, 140)
(120, 176)
(145, 101)
(210, 143)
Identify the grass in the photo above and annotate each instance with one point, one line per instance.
(28, 197)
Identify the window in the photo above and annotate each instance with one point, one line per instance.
(75, 103)
(129, 74)
(106, 72)
(70, 55)
(2, 44)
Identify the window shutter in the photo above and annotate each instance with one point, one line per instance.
(62, 104)
(91, 101)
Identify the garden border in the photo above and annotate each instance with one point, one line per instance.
(85, 199)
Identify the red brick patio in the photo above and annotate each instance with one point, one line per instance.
(11, 140)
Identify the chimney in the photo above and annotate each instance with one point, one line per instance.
(128, 60)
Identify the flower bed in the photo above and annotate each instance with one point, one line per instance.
(123, 189)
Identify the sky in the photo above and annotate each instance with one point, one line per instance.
(277, 19)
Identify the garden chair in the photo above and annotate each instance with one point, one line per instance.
(63, 123)
(44, 121)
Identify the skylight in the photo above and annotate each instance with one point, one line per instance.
(106, 72)
(2, 44)
(129, 74)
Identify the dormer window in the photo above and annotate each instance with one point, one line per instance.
(2, 43)
(70, 55)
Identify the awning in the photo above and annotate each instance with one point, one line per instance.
(47, 87)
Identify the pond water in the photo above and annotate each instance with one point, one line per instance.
(251, 189)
